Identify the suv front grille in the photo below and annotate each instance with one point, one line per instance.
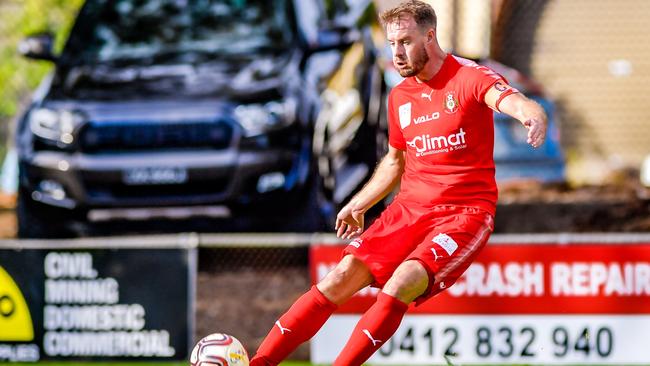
(157, 194)
(104, 136)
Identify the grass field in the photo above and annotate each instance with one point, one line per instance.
(46, 363)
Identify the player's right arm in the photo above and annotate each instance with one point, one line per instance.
(350, 220)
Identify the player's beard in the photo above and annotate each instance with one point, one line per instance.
(416, 64)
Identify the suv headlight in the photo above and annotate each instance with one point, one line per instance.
(257, 119)
(53, 125)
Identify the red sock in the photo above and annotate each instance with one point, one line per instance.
(305, 317)
(374, 328)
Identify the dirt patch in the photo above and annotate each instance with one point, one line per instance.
(246, 302)
(528, 207)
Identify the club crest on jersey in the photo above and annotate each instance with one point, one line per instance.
(405, 115)
(451, 102)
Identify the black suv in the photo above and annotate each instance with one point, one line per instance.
(264, 115)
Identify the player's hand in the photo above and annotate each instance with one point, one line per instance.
(536, 131)
(349, 222)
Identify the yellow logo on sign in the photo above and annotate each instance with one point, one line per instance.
(15, 320)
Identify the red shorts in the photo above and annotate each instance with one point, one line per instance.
(445, 239)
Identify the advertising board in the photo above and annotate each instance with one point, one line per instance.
(98, 302)
(525, 300)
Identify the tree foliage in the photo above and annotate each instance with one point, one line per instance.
(20, 18)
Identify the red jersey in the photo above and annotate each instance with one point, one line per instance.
(448, 133)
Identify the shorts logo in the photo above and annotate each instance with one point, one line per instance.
(446, 242)
(435, 255)
(405, 115)
(15, 319)
(356, 243)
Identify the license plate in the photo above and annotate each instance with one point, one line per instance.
(155, 175)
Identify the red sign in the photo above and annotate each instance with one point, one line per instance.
(531, 279)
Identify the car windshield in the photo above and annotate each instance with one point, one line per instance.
(142, 31)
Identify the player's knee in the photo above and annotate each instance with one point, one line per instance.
(342, 274)
(409, 281)
(348, 277)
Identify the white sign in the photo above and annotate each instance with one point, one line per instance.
(82, 316)
(497, 339)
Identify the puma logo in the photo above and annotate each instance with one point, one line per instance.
(428, 96)
(435, 254)
(374, 341)
(282, 329)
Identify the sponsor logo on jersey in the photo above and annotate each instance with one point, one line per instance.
(426, 118)
(451, 102)
(427, 96)
(405, 115)
(426, 144)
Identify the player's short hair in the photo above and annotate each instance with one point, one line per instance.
(422, 13)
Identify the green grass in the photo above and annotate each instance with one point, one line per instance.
(70, 363)
(143, 363)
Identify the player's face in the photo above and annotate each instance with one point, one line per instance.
(407, 43)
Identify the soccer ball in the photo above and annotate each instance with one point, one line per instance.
(219, 349)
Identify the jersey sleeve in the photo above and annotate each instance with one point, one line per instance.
(395, 136)
(481, 79)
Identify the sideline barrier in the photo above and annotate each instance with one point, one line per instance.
(527, 299)
(99, 299)
(551, 299)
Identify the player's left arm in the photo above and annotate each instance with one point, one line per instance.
(506, 99)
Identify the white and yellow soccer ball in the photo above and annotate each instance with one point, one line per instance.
(219, 349)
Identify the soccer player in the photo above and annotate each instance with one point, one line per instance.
(441, 138)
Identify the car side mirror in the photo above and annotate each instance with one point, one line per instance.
(38, 47)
